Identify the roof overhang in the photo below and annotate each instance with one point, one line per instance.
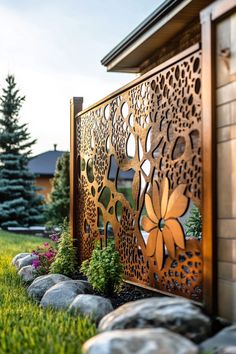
(157, 29)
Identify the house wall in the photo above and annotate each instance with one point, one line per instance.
(226, 165)
(45, 184)
(183, 40)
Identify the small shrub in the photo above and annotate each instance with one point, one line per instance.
(46, 255)
(104, 269)
(65, 260)
(193, 225)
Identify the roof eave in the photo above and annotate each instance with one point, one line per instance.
(168, 19)
(139, 30)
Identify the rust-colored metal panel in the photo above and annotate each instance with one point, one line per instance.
(140, 173)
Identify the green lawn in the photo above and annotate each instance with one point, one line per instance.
(24, 326)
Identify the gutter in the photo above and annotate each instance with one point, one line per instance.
(144, 26)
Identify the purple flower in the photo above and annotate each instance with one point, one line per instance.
(54, 237)
(46, 244)
(36, 263)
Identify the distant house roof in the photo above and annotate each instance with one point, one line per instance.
(44, 164)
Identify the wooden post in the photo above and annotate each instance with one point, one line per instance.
(76, 104)
(208, 163)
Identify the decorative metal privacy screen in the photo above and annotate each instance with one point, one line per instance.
(139, 175)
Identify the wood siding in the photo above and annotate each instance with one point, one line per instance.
(183, 40)
(226, 164)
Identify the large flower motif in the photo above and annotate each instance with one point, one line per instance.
(162, 223)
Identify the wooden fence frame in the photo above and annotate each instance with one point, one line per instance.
(76, 105)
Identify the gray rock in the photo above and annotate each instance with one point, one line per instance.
(24, 261)
(19, 256)
(91, 305)
(223, 342)
(61, 295)
(41, 284)
(176, 314)
(139, 341)
(27, 273)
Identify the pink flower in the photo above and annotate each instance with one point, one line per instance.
(48, 255)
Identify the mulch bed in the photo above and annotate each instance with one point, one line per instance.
(129, 293)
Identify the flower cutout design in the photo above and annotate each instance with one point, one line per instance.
(162, 223)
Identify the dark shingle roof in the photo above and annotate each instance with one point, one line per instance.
(44, 164)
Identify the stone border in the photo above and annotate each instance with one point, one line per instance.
(152, 325)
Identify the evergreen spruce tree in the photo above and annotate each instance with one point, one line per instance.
(58, 207)
(19, 203)
(193, 225)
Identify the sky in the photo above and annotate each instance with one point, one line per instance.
(54, 49)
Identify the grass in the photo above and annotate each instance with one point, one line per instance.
(24, 326)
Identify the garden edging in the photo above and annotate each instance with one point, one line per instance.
(153, 323)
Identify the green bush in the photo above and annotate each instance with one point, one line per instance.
(65, 261)
(104, 269)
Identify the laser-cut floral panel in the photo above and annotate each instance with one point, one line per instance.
(139, 174)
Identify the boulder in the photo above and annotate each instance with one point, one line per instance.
(24, 261)
(41, 284)
(91, 305)
(27, 273)
(61, 295)
(223, 342)
(19, 256)
(139, 341)
(176, 314)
